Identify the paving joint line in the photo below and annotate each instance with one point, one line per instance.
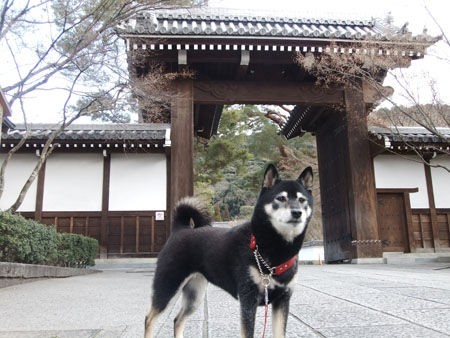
(307, 325)
(205, 326)
(380, 311)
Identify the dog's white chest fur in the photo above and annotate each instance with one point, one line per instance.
(255, 276)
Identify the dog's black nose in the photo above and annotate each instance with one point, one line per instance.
(296, 214)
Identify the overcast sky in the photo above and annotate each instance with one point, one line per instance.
(436, 65)
(412, 11)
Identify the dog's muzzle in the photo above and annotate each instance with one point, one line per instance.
(296, 214)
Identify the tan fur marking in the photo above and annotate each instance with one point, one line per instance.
(278, 321)
(149, 321)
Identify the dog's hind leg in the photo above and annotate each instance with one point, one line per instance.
(150, 320)
(193, 293)
(165, 286)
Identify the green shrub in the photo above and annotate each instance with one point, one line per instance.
(76, 250)
(246, 211)
(26, 241)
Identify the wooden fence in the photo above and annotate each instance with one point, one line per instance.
(125, 233)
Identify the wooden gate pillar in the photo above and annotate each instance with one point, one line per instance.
(331, 139)
(182, 142)
(361, 180)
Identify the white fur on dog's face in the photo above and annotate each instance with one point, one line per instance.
(280, 213)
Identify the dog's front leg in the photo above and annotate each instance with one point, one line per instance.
(248, 304)
(280, 312)
(248, 314)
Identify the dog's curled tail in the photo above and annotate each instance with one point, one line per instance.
(187, 209)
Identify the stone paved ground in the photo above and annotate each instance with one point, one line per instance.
(5, 282)
(329, 301)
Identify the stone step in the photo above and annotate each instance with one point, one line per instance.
(411, 258)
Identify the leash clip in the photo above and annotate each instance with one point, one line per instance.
(265, 279)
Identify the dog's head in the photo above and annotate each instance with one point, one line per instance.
(288, 204)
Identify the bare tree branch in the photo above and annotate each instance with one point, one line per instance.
(444, 35)
(347, 69)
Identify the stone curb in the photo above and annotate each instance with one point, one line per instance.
(19, 270)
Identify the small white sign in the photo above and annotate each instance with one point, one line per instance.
(159, 215)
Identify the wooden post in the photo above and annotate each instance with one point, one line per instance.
(168, 217)
(182, 142)
(152, 234)
(432, 205)
(137, 235)
(105, 207)
(361, 193)
(409, 225)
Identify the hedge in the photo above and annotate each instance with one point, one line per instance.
(26, 241)
(76, 250)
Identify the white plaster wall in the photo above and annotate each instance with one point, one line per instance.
(312, 253)
(441, 182)
(73, 182)
(138, 182)
(17, 172)
(392, 171)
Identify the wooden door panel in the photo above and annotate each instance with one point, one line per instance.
(392, 222)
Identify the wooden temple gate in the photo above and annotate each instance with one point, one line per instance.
(238, 58)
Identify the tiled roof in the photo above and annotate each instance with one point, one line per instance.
(217, 23)
(99, 132)
(300, 121)
(406, 139)
(411, 134)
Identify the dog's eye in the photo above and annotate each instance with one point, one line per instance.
(302, 200)
(282, 198)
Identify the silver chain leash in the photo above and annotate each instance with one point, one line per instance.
(265, 278)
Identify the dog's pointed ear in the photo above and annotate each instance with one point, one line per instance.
(270, 176)
(306, 178)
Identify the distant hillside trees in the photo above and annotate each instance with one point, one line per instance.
(229, 167)
(430, 116)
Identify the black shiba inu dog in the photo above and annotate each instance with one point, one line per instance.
(255, 262)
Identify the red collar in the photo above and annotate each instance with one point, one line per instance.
(279, 269)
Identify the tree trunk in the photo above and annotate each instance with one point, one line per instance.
(6, 162)
(31, 179)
